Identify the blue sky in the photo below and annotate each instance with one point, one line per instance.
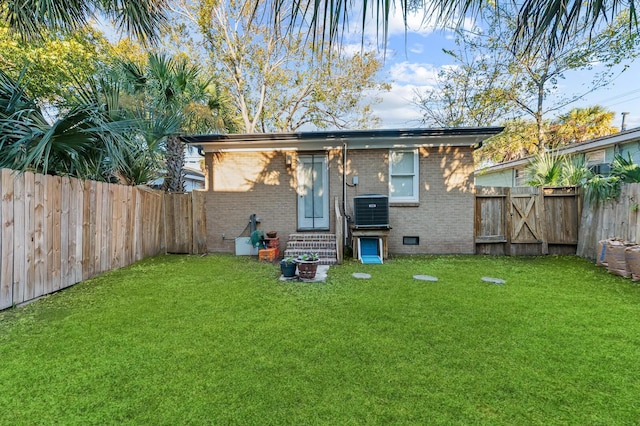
(413, 60)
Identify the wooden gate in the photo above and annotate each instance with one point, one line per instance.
(527, 220)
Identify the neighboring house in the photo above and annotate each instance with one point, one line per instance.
(293, 181)
(193, 179)
(597, 154)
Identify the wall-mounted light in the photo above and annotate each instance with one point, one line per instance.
(288, 159)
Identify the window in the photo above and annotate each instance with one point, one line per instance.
(595, 157)
(411, 241)
(403, 175)
(519, 177)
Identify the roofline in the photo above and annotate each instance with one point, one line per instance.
(591, 144)
(355, 139)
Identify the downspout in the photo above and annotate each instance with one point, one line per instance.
(344, 194)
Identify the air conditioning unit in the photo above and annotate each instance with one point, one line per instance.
(601, 169)
(371, 211)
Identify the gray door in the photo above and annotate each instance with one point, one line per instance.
(313, 192)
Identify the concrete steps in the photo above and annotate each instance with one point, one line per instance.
(323, 244)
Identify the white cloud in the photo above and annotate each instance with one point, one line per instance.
(416, 48)
(397, 109)
(414, 73)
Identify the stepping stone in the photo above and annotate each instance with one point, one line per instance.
(361, 275)
(493, 280)
(425, 278)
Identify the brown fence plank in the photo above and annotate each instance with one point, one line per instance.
(89, 230)
(6, 244)
(129, 229)
(105, 228)
(77, 228)
(199, 220)
(138, 200)
(56, 232)
(179, 222)
(28, 292)
(48, 231)
(19, 239)
(65, 267)
(39, 253)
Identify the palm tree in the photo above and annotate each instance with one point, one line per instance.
(551, 169)
(552, 20)
(173, 95)
(581, 124)
(29, 18)
(85, 141)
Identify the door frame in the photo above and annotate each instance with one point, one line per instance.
(323, 222)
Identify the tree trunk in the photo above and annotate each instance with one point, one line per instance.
(174, 179)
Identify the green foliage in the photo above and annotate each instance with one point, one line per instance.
(83, 142)
(494, 81)
(545, 170)
(605, 188)
(274, 78)
(539, 21)
(625, 168)
(218, 339)
(581, 124)
(550, 169)
(517, 140)
(33, 20)
(601, 188)
(308, 257)
(53, 64)
(520, 136)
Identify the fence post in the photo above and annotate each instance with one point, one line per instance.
(508, 220)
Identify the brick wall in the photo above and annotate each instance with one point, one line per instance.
(244, 183)
(443, 219)
(241, 184)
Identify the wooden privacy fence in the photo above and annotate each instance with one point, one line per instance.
(184, 220)
(57, 231)
(617, 218)
(526, 221)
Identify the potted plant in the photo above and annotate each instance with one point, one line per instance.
(307, 265)
(288, 267)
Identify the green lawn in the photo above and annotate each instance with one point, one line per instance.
(218, 339)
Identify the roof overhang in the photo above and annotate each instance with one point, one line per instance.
(586, 146)
(354, 139)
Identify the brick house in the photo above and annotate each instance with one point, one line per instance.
(293, 182)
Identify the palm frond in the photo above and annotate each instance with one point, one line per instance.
(31, 18)
(545, 170)
(625, 168)
(600, 188)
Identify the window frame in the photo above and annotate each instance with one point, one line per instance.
(416, 176)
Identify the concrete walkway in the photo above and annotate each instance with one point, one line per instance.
(321, 276)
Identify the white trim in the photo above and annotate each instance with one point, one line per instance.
(416, 177)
